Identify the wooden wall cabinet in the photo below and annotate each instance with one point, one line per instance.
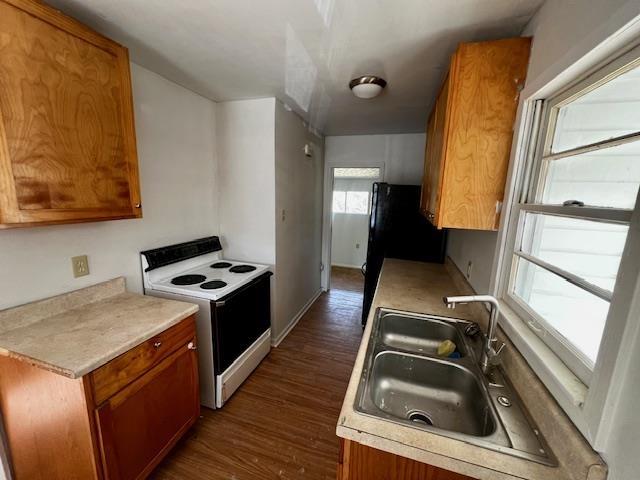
(469, 134)
(359, 462)
(67, 135)
(116, 422)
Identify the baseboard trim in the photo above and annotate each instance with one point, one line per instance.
(344, 265)
(277, 340)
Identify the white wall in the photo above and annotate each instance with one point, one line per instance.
(262, 172)
(298, 183)
(401, 157)
(245, 140)
(401, 154)
(477, 247)
(564, 31)
(177, 175)
(349, 238)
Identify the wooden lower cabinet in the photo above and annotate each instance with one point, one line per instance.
(359, 462)
(57, 430)
(138, 425)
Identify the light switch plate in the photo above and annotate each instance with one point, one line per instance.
(80, 266)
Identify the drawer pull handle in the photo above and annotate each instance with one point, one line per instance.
(192, 346)
(157, 344)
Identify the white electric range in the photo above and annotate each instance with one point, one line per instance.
(234, 320)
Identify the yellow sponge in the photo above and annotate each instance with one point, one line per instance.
(446, 348)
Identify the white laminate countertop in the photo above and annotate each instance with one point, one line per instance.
(419, 287)
(75, 333)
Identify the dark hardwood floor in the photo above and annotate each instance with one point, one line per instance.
(281, 423)
(350, 279)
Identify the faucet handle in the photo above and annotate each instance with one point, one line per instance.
(494, 353)
(500, 348)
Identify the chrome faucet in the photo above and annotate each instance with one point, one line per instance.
(489, 352)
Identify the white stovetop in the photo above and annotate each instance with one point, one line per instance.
(160, 279)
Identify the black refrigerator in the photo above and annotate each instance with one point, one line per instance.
(397, 229)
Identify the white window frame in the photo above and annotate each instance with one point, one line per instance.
(346, 203)
(583, 395)
(344, 195)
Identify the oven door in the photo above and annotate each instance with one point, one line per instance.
(241, 324)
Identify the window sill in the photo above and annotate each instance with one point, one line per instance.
(568, 390)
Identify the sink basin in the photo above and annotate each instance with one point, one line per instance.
(430, 392)
(404, 382)
(417, 334)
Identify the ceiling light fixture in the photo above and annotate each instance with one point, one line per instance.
(367, 86)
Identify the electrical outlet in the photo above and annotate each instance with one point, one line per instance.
(80, 266)
(469, 268)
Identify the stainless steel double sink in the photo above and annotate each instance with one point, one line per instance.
(404, 381)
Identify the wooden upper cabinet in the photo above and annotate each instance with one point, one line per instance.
(67, 137)
(469, 134)
(432, 166)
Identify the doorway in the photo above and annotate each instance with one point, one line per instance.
(350, 207)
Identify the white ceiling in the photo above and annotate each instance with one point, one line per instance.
(304, 52)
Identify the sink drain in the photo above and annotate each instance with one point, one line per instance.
(420, 417)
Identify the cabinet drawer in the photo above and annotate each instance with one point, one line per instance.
(119, 372)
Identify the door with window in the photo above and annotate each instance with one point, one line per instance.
(569, 229)
(351, 207)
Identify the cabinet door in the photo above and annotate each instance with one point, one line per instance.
(139, 425)
(359, 462)
(425, 193)
(486, 78)
(436, 136)
(67, 139)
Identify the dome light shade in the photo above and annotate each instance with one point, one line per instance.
(367, 86)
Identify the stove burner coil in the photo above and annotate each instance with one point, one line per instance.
(213, 285)
(242, 269)
(188, 279)
(221, 265)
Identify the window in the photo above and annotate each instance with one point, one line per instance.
(372, 172)
(569, 230)
(351, 202)
(339, 202)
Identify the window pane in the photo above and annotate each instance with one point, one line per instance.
(591, 250)
(358, 202)
(356, 172)
(575, 314)
(609, 111)
(605, 178)
(338, 202)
